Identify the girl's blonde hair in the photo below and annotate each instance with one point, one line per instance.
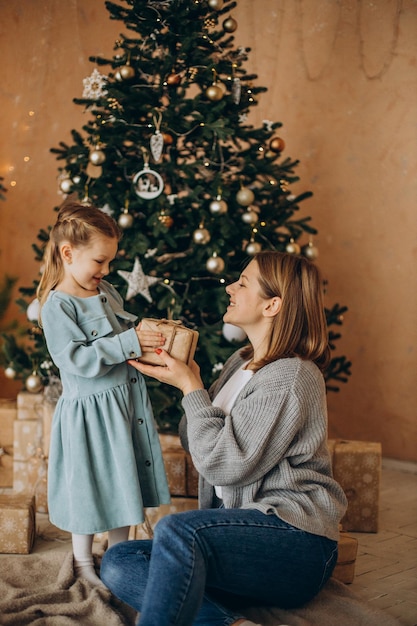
(300, 328)
(77, 224)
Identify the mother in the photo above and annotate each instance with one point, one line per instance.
(267, 528)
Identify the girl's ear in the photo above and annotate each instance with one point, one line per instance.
(66, 253)
(273, 307)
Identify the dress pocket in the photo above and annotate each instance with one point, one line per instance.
(96, 328)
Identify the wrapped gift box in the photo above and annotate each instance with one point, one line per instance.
(153, 515)
(17, 524)
(357, 468)
(8, 414)
(29, 405)
(29, 463)
(346, 560)
(181, 473)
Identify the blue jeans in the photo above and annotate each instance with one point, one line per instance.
(203, 564)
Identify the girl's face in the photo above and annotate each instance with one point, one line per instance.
(85, 266)
(246, 305)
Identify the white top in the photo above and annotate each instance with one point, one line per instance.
(227, 395)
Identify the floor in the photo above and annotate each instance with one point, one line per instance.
(386, 565)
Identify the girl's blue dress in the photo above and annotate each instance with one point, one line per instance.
(105, 460)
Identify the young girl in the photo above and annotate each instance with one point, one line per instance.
(105, 462)
(267, 528)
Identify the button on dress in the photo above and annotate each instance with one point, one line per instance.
(105, 461)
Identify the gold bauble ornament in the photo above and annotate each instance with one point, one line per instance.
(276, 145)
(216, 5)
(245, 196)
(166, 220)
(126, 72)
(292, 247)
(229, 25)
(310, 251)
(33, 383)
(125, 220)
(168, 140)
(215, 264)
(214, 93)
(218, 206)
(201, 236)
(10, 372)
(97, 156)
(250, 217)
(253, 248)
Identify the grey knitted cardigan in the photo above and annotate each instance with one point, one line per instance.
(271, 452)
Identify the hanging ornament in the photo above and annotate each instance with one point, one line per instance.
(276, 145)
(214, 92)
(173, 79)
(310, 251)
(215, 264)
(97, 156)
(165, 219)
(32, 312)
(201, 236)
(236, 90)
(10, 372)
(125, 219)
(245, 196)
(33, 383)
(125, 72)
(216, 5)
(250, 216)
(157, 139)
(94, 85)
(218, 206)
(292, 247)
(229, 25)
(233, 333)
(147, 183)
(66, 185)
(137, 282)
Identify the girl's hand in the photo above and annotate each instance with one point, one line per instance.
(174, 372)
(149, 339)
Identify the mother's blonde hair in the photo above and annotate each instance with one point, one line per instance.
(300, 328)
(77, 224)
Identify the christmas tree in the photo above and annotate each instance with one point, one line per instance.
(169, 152)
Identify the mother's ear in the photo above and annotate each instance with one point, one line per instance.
(273, 306)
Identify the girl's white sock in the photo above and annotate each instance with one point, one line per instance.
(83, 559)
(116, 535)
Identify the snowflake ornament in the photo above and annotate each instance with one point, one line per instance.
(94, 85)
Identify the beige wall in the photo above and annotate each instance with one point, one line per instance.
(341, 77)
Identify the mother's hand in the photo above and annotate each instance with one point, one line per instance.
(174, 372)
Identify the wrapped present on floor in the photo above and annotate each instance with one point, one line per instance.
(346, 560)
(17, 524)
(29, 463)
(154, 514)
(8, 413)
(181, 473)
(29, 405)
(357, 468)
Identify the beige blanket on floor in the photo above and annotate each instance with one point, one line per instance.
(40, 589)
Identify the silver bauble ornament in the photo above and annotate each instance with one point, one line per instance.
(33, 383)
(292, 247)
(216, 5)
(201, 236)
(214, 93)
(97, 156)
(125, 220)
(253, 248)
(66, 185)
(10, 372)
(218, 207)
(215, 264)
(233, 333)
(250, 217)
(310, 252)
(245, 196)
(229, 25)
